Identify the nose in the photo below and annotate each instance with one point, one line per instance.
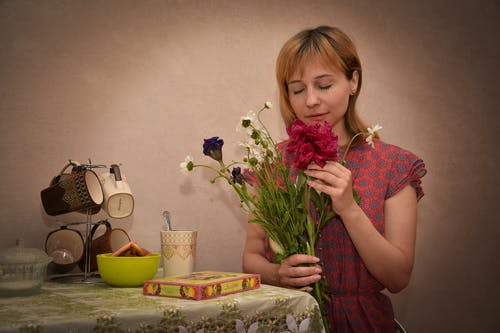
(311, 98)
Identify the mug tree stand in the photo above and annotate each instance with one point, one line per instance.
(85, 277)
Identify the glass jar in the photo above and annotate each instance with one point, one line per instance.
(22, 270)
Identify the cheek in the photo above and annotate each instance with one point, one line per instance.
(296, 105)
(340, 101)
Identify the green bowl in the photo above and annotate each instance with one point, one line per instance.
(127, 271)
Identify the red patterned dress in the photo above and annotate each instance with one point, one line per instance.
(357, 302)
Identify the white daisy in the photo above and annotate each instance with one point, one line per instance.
(187, 165)
(247, 122)
(375, 128)
(254, 150)
(371, 134)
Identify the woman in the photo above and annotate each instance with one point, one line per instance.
(369, 246)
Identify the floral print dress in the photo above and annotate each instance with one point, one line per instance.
(357, 304)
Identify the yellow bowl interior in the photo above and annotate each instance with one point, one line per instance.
(127, 271)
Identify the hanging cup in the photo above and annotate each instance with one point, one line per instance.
(108, 242)
(79, 190)
(65, 246)
(118, 199)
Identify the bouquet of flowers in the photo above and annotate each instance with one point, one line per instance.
(272, 186)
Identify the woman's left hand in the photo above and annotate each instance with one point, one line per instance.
(335, 180)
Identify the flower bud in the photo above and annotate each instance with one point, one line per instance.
(277, 249)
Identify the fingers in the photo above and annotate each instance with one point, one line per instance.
(307, 289)
(334, 180)
(328, 183)
(330, 172)
(297, 259)
(293, 273)
(320, 186)
(333, 174)
(331, 167)
(299, 282)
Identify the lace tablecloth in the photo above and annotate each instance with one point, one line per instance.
(96, 307)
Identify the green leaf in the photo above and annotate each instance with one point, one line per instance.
(357, 198)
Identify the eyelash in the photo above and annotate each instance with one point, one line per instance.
(296, 92)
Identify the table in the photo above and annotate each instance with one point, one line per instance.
(97, 307)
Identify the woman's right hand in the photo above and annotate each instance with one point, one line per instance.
(299, 271)
(296, 271)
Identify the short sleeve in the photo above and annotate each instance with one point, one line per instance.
(406, 169)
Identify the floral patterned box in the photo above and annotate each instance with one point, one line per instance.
(201, 285)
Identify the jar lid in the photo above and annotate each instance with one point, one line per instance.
(22, 255)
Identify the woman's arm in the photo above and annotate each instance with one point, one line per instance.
(285, 274)
(389, 259)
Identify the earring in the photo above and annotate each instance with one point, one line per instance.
(353, 92)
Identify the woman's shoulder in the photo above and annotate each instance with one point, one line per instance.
(281, 150)
(386, 157)
(282, 144)
(402, 166)
(390, 151)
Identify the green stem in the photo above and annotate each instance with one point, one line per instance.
(268, 136)
(209, 167)
(349, 146)
(247, 199)
(312, 233)
(318, 295)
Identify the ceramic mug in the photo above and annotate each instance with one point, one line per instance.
(66, 247)
(110, 241)
(118, 199)
(178, 249)
(79, 190)
(65, 175)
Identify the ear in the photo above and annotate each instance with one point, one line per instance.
(354, 81)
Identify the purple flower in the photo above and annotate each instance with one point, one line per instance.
(237, 176)
(213, 147)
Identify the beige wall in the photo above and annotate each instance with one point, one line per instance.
(143, 82)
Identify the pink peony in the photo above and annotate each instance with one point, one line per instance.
(315, 142)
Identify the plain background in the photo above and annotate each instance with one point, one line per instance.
(141, 83)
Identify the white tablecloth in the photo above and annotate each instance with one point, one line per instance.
(97, 307)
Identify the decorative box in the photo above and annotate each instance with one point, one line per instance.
(201, 285)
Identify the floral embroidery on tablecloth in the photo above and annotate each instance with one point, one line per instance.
(230, 319)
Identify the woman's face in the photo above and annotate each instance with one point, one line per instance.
(321, 93)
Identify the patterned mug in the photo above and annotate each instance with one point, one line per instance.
(178, 249)
(79, 190)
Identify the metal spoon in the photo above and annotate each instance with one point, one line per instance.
(166, 220)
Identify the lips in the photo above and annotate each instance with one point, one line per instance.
(317, 116)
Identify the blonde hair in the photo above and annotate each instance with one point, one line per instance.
(334, 48)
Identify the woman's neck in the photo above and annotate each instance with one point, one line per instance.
(343, 135)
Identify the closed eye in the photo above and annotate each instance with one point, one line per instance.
(297, 91)
(325, 87)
